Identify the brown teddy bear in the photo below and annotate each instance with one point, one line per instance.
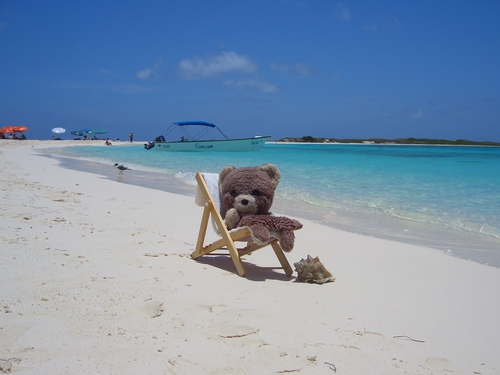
(246, 195)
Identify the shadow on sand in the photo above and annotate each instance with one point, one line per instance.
(253, 271)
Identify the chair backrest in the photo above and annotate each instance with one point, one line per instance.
(212, 182)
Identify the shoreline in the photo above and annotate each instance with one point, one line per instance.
(452, 241)
(373, 143)
(88, 265)
(92, 142)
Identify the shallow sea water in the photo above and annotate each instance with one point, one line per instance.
(445, 197)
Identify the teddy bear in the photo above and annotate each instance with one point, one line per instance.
(246, 195)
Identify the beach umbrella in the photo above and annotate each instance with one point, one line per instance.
(21, 128)
(97, 131)
(80, 132)
(7, 129)
(58, 130)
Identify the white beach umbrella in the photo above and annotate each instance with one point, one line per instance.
(58, 130)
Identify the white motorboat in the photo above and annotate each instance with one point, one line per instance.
(190, 142)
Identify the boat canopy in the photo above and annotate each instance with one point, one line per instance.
(203, 123)
(184, 126)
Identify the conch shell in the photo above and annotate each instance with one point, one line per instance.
(313, 271)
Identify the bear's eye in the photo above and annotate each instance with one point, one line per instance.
(255, 193)
(233, 193)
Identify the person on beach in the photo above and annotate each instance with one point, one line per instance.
(131, 137)
(108, 143)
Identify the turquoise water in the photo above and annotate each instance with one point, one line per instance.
(438, 196)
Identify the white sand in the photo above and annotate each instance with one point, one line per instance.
(96, 277)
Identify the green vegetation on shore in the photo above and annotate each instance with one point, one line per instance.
(399, 141)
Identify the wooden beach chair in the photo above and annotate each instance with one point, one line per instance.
(207, 196)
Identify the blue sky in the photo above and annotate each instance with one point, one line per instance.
(350, 69)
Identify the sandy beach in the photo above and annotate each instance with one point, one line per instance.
(96, 277)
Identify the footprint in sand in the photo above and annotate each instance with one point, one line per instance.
(229, 331)
(150, 309)
(440, 364)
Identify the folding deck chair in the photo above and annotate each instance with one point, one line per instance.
(207, 196)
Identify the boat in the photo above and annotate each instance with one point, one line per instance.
(192, 140)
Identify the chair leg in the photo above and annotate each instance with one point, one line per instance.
(201, 235)
(235, 256)
(282, 258)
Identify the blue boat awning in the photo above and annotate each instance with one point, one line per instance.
(204, 123)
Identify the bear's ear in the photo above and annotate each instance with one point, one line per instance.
(224, 172)
(273, 172)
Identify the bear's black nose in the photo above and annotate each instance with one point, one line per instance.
(244, 202)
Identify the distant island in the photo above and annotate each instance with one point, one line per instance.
(398, 141)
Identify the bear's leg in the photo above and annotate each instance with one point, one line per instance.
(287, 240)
(260, 234)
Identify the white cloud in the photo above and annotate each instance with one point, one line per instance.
(197, 67)
(394, 24)
(373, 27)
(107, 72)
(252, 83)
(342, 12)
(151, 71)
(298, 68)
(383, 24)
(145, 73)
(418, 114)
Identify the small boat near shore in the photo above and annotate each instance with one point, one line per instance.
(192, 140)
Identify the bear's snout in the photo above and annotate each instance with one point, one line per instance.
(245, 204)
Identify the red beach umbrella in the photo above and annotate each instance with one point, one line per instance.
(7, 129)
(21, 128)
